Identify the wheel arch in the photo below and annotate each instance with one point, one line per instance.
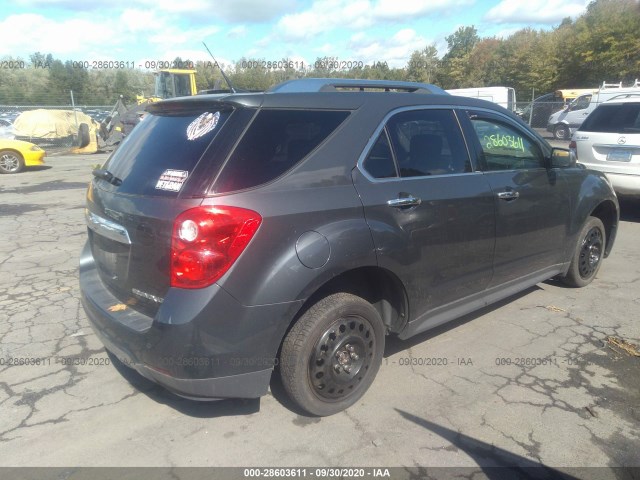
(607, 212)
(12, 150)
(378, 286)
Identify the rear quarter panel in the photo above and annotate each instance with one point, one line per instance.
(270, 271)
(588, 190)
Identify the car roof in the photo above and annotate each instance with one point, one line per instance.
(328, 93)
(633, 98)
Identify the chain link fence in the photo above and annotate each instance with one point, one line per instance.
(536, 114)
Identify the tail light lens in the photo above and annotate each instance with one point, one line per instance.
(206, 241)
(574, 148)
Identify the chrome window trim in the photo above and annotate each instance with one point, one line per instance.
(383, 123)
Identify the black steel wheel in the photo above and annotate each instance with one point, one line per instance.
(332, 354)
(588, 254)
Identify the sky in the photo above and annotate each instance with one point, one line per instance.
(367, 31)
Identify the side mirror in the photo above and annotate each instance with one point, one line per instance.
(562, 158)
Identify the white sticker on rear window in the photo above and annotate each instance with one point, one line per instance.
(202, 125)
(172, 180)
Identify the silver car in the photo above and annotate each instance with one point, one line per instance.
(609, 141)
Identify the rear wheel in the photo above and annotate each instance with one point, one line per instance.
(332, 354)
(561, 132)
(10, 161)
(588, 254)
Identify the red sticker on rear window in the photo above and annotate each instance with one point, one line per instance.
(172, 180)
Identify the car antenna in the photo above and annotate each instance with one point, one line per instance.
(226, 79)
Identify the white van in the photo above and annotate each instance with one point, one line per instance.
(567, 120)
(504, 96)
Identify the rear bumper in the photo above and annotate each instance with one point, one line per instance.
(625, 184)
(201, 344)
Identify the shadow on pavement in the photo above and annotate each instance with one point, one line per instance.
(192, 408)
(37, 168)
(629, 209)
(494, 462)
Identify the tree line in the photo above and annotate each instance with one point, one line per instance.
(602, 44)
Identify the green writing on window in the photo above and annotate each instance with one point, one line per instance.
(503, 141)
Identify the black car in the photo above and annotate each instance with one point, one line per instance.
(234, 234)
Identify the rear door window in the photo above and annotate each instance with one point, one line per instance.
(379, 163)
(428, 142)
(162, 151)
(274, 143)
(621, 118)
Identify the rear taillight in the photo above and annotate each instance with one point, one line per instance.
(206, 241)
(574, 148)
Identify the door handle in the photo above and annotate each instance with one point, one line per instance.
(409, 201)
(508, 195)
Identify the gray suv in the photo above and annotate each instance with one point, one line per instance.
(234, 235)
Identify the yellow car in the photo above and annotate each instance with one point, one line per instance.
(16, 154)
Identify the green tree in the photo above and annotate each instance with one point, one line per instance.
(423, 65)
(40, 60)
(64, 78)
(251, 74)
(453, 68)
(121, 86)
(461, 42)
(608, 41)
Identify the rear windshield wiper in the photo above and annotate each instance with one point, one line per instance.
(107, 175)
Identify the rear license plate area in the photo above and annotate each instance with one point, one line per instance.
(112, 258)
(619, 155)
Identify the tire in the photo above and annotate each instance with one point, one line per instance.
(588, 254)
(561, 132)
(332, 354)
(11, 162)
(83, 135)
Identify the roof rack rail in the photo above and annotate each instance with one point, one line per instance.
(311, 85)
(610, 85)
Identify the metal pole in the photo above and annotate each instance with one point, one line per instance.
(73, 105)
(533, 96)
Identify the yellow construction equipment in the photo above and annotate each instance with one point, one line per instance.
(170, 83)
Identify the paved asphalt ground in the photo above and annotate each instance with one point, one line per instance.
(534, 379)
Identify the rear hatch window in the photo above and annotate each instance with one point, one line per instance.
(162, 151)
(616, 118)
(274, 143)
(154, 164)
